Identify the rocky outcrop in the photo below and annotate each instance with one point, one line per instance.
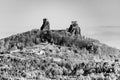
(74, 28)
(45, 25)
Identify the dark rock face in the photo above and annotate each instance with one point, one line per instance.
(74, 28)
(45, 25)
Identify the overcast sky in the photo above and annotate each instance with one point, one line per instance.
(99, 19)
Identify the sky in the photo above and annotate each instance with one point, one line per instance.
(98, 19)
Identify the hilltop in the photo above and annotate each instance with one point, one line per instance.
(44, 54)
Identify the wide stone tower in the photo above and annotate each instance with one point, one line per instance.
(74, 28)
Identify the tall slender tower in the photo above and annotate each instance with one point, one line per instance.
(45, 25)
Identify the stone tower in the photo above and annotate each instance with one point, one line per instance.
(74, 28)
(45, 25)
